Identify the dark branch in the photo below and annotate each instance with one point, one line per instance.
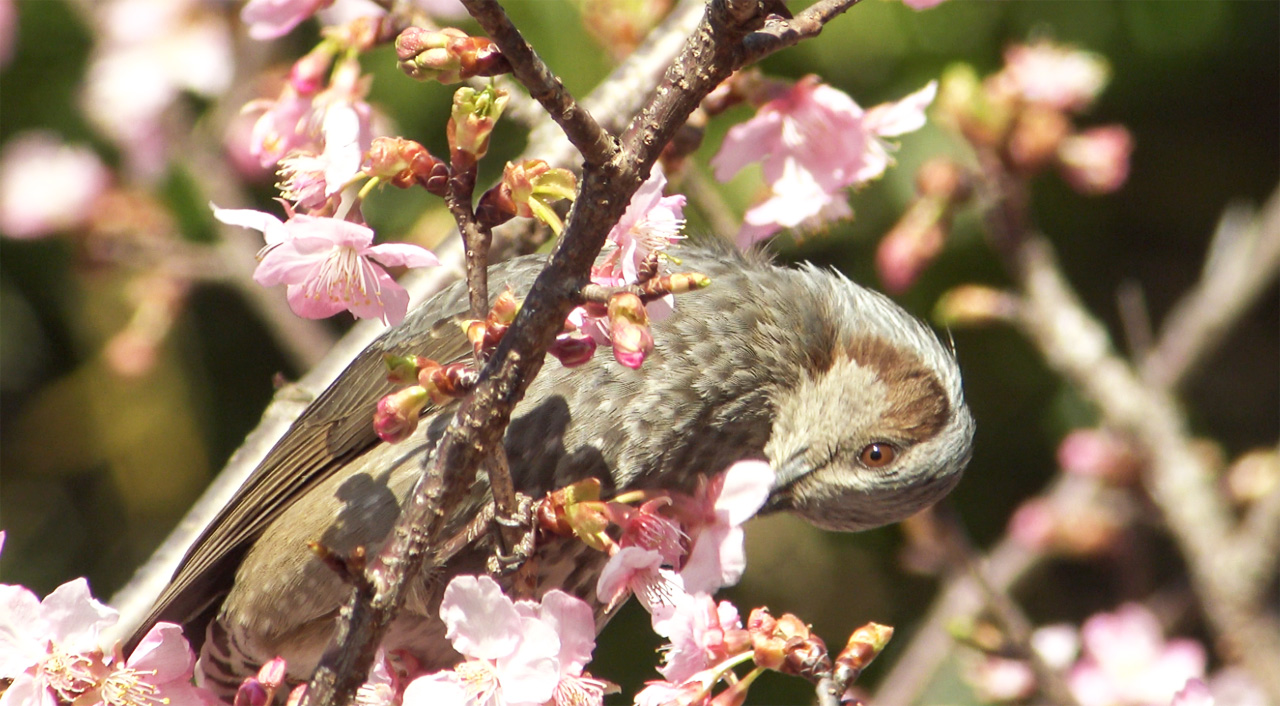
(596, 145)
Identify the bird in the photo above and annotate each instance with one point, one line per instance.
(856, 405)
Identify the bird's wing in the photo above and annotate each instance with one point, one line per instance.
(333, 431)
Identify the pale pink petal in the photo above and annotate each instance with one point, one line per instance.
(480, 620)
(717, 559)
(393, 254)
(75, 618)
(901, 116)
(165, 651)
(22, 630)
(531, 672)
(26, 690)
(746, 143)
(272, 229)
(390, 304)
(271, 19)
(439, 689)
(46, 185)
(622, 567)
(746, 487)
(291, 262)
(573, 620)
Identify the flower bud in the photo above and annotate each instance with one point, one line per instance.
(806, 657)
(913, 244)
(404, 162)
(427, 54)
(1036, 137)
(527, 190)
(632, 341)
(272, 673)
(573, 349)
(865, 644)
(472, 120)
(1096, 161)
(402, 369)
(251, 692)
(397, 414)
(974, 305)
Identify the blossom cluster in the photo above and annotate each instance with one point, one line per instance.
(53, 652)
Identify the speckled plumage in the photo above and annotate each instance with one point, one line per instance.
(798, 366)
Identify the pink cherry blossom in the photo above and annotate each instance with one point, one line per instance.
(329, 265)
(517, 653)
(271, 19)
(696, 627)
(1126, 660)
(725, 503)
(158, 671)
(148, 53)
(1096, 161)
(814, 142)
(46, 185)
(281, 126)
(650, 223)
(1059, 77)
(8, 31)
(921, 4)
(51, 648)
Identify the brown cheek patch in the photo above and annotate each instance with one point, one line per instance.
(918, 408)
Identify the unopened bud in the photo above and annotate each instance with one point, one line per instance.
(295, 696)
(427, 54)
(573, 349)
(472, 120)
(806, 657)
(402, 369)
(913, 244)
(974, 305)
(1254, 476)
(272, 673)
(1096, 161)
(527, 190)
(678, 283)
(397, 414)
(505, 307)
(632, 342)
(1035, 138)
(251, 692)
(974, 112)
(404, 163)
(865, 644)
(943, 178)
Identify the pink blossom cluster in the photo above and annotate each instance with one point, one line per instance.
(651, 223)
(53, 651)
(814, 142)
(1117, 659)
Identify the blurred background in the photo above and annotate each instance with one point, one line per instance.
(105, 441)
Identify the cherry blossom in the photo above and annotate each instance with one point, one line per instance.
(1126, 660)
(46, 185)
(813, 142)
(1096, 161)
(517, 653)
(723, 505)
(149, 52)
(271, 19)
(1056, 76)
(51, 648)
(330, 265)
(1194, 693)
(158, 671)
(650, 223)
(696, 627)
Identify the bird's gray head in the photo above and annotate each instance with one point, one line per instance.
(879, 430)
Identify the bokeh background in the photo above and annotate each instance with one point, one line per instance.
(96, 467)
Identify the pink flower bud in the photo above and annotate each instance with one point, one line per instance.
(573, 349)
(913, 243)
(251, 693)
(397, 414)
(472, 120)
(1096, 161)
(632, 342)
(974, 305)
(310, 73)
(272, 673)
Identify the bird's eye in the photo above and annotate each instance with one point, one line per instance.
(877, 454)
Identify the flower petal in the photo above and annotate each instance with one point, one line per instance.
(479, 619)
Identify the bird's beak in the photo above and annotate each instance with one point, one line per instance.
(788, 472)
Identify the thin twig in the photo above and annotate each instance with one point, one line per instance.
(591, 140)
